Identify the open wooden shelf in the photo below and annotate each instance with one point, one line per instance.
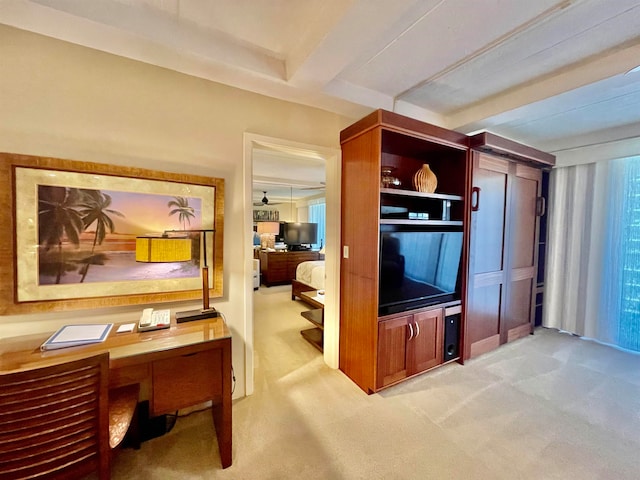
(439, 223)
(315, 316)
(314, 336)
(411, 193)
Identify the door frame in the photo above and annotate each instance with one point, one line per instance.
(332, 157)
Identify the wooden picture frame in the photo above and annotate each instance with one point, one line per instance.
(22, 180)
(266, 216)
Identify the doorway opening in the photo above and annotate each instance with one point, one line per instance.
(261, 171)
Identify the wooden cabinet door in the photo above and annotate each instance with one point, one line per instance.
(425, 348)
(409, 344)
(522, 236)
(392, 362)
(486, 260)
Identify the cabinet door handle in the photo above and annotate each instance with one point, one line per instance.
(411, 332)
(541, 206)
(475, 199)
(417, 329)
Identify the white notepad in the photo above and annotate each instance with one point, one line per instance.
(74, 335)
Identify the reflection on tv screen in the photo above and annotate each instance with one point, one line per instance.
(418, 265)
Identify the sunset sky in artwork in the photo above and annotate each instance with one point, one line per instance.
(149, 213)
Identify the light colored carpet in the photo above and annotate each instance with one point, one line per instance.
(550, 406)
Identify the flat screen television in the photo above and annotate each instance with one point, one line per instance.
(280, 235)
(418, 267)
(300, 236)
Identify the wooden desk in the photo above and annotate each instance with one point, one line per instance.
(185, 365)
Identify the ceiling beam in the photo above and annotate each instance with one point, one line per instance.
(613, 62)
(97, 24)
(151, 37)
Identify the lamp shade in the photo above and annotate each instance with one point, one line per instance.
(269, 227)
(163, 249)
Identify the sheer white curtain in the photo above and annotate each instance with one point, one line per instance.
(611, 300)
(592, 280)
(574, 259)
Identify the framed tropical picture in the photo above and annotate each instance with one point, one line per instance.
(76, 226)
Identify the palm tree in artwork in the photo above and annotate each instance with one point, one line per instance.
(95, 209)
(58, 218)
(182, 208)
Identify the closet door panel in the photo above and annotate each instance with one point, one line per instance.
(488, 221)
(518, 318)
(486, 254)
(523, 222)
(486, 313)
(522, 251)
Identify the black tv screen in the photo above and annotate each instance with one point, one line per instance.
(418, 268)
(280, 235)
(296, 234)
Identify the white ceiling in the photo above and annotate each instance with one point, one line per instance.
(286, 176)
(547, 73)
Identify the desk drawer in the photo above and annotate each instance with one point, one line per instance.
(119, 377)
(183, 381)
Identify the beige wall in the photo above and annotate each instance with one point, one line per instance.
(61, 100)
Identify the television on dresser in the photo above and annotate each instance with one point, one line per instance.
(280, 235)
(419, 267)
(300, 236)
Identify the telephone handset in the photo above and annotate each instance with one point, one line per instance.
(145, 318)
(154, 319)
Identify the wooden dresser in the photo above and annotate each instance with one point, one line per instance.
(279, 268)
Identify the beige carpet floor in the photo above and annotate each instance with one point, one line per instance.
(550, 406)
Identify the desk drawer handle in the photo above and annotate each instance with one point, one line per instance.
(189, 354)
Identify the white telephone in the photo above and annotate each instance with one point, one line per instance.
(154, 319)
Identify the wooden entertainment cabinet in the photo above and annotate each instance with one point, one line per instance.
(379, 350)
(376, 352)
(279, 268)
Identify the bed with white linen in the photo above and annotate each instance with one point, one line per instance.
(309, 276)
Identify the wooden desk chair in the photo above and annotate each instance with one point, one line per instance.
(54, 421)
(123, 413)
(60, 421)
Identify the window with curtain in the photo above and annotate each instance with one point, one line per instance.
(592, 285)
(317, 214)
(621, 302)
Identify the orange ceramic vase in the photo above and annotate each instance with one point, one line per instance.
(425, 180)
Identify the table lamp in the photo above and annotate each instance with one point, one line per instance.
(267, 232)
(167, 248)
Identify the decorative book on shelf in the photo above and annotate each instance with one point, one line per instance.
(75, 335)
